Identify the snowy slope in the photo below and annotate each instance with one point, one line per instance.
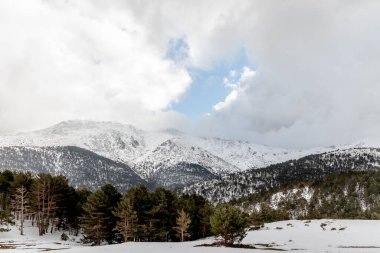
(245, 155)
(178, 150)
(81, 167)
(128, 144)
(112, 140)
(237, 185)
(341, 236)
(153, 155)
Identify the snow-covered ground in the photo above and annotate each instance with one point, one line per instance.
(298, 236)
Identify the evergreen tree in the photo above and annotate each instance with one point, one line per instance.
(94, 221)
(98, 221)
(75, 208)
(229, 223)
(5, 209)
(141, 202)
(6, 181)
(65, 201)
(162, 215)
(113, 198)
(199, 210)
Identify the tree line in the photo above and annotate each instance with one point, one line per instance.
(50, 204)
(347, 195)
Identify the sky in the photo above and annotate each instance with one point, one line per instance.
(294, 73)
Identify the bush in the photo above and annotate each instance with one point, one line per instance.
(64, 237)
(229, 223)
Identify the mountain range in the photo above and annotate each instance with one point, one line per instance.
(92, 153)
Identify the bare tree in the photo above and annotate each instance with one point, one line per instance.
(21, 206)
(183, 222)
(45, 203)
(127, 225)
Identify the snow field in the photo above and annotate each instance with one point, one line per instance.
(338, 236)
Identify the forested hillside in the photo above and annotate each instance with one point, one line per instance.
(81, 167)
(349, 195)
(237, 185)
(50, 204)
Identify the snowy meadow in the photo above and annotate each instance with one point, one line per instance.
(293, 236)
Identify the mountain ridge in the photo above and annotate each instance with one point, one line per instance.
(315, 166)
(159, 157)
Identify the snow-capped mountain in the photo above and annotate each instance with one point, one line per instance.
(112, 140)
(128, 144)
(316, 166)
(81, 167)
(169, 157)
(150, 154)
(178, 150)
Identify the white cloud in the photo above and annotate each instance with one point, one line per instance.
(316, 82)
(64, 60)
(238, 89)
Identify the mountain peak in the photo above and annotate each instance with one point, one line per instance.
(69, 126)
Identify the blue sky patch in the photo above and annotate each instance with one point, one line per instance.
(207, 88)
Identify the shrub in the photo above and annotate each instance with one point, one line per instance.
(64, 237)
(229, 223)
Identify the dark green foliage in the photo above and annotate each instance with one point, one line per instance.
(64, 237)
(312, 167)
(6, 181)
(76, 209)
(156, 214)
(162, 215)
(267, 214)
(102, 215)
(95, 220)
(352, 195)
(141, 203)
(98, 220)
(65, 196)
(229, 223)
(200, 211)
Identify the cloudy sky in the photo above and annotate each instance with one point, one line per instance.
(281, 73)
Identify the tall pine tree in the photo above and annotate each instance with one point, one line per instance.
(98, 221)
(94, 221)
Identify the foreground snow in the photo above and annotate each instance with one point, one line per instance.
(299, 236)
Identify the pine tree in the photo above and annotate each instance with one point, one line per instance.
(98, 221)
(199, 210)
(183, 223)
(127, 225)
(5, 210)
(94, 221)
(162, 215)
(229, 223)
(141, 203)
(6, 180)
(75, 209)
(113, 198)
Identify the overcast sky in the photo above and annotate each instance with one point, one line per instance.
(281, 73)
